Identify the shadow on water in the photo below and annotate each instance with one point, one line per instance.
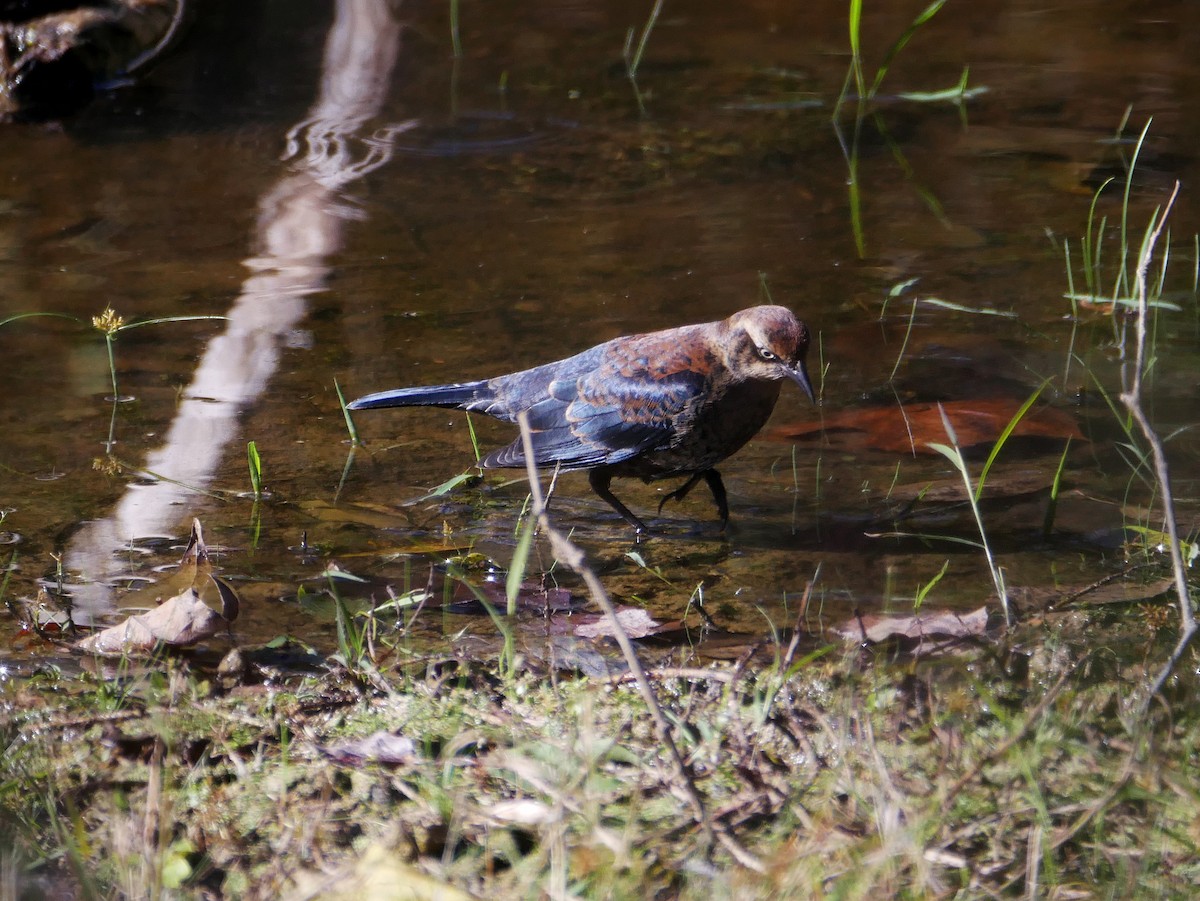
(373, 211)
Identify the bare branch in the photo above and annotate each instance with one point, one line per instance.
(573, 556)
(1131, 398)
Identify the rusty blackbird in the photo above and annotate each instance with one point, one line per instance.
(670, 403)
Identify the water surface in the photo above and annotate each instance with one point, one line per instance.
(363, 207)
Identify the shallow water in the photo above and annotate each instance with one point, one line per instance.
(361, 207)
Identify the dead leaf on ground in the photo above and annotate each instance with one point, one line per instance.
(636, 622)
(912, 427)
(179, 621)
(948, 624)
(379, 747)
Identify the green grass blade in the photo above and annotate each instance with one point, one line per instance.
(19, 316)
(924, 590)
(1005, 434)
(141, 322)
(901, 42)
(254, 461)
(1052, 505)
(520, 561)
(350, 426)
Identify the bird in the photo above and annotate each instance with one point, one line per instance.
(670, 403)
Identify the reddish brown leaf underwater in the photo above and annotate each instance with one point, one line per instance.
(912, 427)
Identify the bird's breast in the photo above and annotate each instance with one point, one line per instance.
(709, 430)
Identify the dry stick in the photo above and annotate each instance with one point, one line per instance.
(573, 557)
(1131, 398)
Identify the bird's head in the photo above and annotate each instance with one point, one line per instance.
(769, 343)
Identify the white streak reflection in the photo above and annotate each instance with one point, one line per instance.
(299, 226)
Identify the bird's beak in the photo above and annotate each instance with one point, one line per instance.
(799, 375)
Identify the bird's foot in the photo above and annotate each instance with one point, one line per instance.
(679, 493)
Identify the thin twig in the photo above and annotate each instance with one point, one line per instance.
(573, 556)
(1131, 398)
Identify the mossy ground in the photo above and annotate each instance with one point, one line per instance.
(1020, 770)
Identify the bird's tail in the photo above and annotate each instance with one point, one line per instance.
(460, 395)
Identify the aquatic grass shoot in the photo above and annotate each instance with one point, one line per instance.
(1055, 486)
(864, 94)
(353, 643)
(110, 324)
(1135, 290)
(254, 462)
(351, 428)
(633, 55)
(954, 454)
(355, 440)
(507, 662)
(526, 528)
(923, 591)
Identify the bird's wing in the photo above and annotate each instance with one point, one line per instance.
(603, 416)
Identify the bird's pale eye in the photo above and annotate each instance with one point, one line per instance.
(766, 354)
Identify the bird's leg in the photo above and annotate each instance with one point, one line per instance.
(679, 493)
(599, 479)
(712, 478)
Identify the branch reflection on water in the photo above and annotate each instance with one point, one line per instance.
(299, 226)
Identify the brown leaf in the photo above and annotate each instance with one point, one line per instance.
(231, 604)
(178, 622)
(636, 622)
(912, 427)
(196, 551)
(948, 624)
